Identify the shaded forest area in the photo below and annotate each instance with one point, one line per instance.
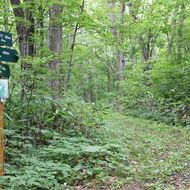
(89, 70)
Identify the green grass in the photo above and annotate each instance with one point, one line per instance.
(125, 153)
(155, 152)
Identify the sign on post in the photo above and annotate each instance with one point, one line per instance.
(9, 55)
(1, 141)
(4, 71)
(4, 92)
(5, 39)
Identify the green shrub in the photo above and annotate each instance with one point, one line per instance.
(63, 162)
(160, 92)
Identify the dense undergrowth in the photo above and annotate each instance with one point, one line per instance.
(157, 90)
(59, 145)
(64, 161)
(53, 145)
(124, 151)
(135, 63)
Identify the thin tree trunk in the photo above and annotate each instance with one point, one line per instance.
(173, 29)
(180, 33)
(70, 59)
(121, 65)
(72, 46)
(41, 23)
(55, 39)
(120, 56)
(147, 45)
(112, 18)
(120, 59)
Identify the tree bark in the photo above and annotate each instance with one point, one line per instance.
(120, 58)
(55, 39)
(25, 34)
(25, 40)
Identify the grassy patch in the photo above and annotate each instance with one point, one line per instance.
(125, 153)
(155, 152)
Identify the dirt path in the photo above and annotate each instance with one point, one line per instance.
(158, 156)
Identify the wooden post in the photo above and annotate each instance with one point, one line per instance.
(1, 141)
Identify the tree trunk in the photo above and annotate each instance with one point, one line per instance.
(171, 37)
(41, 24)
(120, 58)
(147, 44)
(70, 59)
(55, 38)
(72, 46)
(25, 40)
(180, 33)
(121, 65)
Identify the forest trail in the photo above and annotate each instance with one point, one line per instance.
(126, 153)
(157, 155)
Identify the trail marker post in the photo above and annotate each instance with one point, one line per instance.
(1, 141)
(7, 55)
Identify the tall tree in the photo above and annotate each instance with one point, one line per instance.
(121, 56)
(55, 41)
(118, 36)
(180, 32)
(71, 48)
(25, 34)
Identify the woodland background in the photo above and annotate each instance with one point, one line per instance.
(80, 61)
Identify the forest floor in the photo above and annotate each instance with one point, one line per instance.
(126, 153)
(157, 155)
